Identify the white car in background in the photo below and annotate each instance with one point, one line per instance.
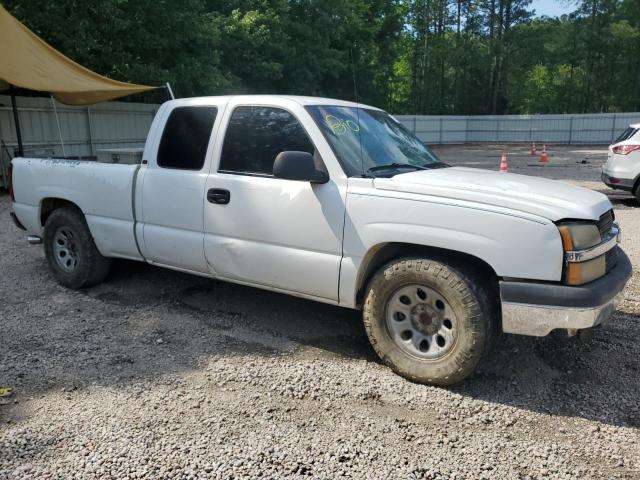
(622, 170)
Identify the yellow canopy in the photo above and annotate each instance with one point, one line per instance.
(26, 61)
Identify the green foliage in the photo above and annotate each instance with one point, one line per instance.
(409, 56)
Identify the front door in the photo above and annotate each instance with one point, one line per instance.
(268, 231)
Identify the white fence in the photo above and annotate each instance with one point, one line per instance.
(84, 129)
(601, 128)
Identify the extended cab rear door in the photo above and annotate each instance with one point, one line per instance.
(266, 231)
(170, 226)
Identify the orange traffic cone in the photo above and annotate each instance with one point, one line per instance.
(504, 166)
(544, 158)
(533, 152)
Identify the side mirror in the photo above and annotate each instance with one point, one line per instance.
(300, 166)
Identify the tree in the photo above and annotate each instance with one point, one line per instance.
(409, 56)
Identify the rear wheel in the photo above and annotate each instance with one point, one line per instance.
(429, 321)
(71, 252)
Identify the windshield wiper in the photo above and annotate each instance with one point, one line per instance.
(391, 166)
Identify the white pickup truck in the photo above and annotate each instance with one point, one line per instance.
(336, 202)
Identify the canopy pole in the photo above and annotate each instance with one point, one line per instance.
(16, 120)
(55, 111)
(168, 87)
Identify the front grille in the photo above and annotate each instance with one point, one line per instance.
(605, 223)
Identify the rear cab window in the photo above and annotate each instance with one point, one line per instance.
(256, 135)
(186, 137)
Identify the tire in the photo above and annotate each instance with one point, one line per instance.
(637, 194)
(71, 252)
(447, 291)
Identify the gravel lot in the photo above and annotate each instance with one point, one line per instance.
(157, 374)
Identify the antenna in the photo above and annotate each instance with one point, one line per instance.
(355, 94)
(169, 91)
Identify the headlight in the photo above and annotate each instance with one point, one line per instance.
(579, 236)
(582, 236)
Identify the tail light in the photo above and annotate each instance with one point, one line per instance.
(625, 149)
(10, 182)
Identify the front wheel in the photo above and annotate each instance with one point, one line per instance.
(71, 252)
(429, 321)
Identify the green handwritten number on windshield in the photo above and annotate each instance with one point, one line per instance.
(353, 125)
(340, 126)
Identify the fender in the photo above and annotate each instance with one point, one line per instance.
(513, 246)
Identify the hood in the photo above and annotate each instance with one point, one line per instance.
(549, 199)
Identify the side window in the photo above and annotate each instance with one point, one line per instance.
(185, 138)
(256, 135)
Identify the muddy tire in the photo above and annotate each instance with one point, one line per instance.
(430, 322)
(71, 252)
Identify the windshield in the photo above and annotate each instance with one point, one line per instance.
(387, 146)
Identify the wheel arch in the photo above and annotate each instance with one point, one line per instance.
(381, 254)
(636, 187)
(49, 204)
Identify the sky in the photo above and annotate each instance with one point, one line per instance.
(553, 8)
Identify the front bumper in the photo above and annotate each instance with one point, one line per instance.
(537, 308)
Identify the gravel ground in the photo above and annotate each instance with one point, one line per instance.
(157, 374)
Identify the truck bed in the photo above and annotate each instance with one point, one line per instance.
(103, 191)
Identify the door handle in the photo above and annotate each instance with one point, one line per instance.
(220, 196)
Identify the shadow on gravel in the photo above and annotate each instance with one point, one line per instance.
(622, 201)
(221, 305)
(595, 379)
(146, 322)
